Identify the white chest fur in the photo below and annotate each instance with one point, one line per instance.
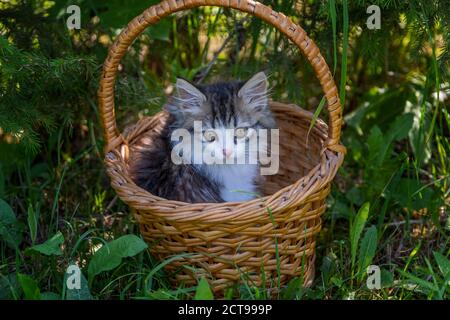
(237, 181)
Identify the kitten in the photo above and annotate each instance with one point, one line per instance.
(240, 107)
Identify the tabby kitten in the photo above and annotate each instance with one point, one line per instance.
(240, 107)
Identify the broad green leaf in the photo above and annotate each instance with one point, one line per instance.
(118, 13)
(357, 228)
(49, 247)
(292, 289)
(160, 31)
(29, 286)
(401, 127)
(397, 131)
(375, 142)
(50, 296)
(367, 248)
(79, 294)
(380, 145)
(111, 254)
(9, 287)
(203, 291)
(387, 278)
(337, 281)
(443, 263)
(7, 216)
(10, 228)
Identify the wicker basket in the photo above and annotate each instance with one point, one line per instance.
(266, 241)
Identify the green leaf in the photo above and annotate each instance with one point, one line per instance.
(160, 31)
(337, 281)
(6, 214)
(10, 228)
(118, 13)
(375, 142)
(367, 249)
(110, 255)
(292, 289)
(50, 296)
(380, 146)
(357, 228)
(401, 127)
(49, 247)
(78, 294)
(29, 286)
(203, 291)
(9, 287)
(443, 263)
(387, 278)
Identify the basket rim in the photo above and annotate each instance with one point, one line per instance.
(140, 199)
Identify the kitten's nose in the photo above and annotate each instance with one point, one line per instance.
(226, 152)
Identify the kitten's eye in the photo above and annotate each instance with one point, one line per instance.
(240, 132)
(210, 135)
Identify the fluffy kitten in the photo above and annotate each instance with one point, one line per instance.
(239, 106)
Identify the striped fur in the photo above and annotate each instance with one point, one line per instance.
(219, 106)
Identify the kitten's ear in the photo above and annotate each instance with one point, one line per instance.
(188, 95)
(186, 99)
(254, 92)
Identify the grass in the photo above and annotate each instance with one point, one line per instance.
(343, 82)
(389, 205)
(85, 224)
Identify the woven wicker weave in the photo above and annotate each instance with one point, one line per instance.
(232, 242)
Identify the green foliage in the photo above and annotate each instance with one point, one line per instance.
(344, 51)
(10, 227)
(9, 287)
(440, 285)
(367, 249)
(50, 296)
(49, 247)
(357, 228)
(203, 291)
(29, 286)
(32, 222)
(111, 254)
(83, 293)
(394, 84)
(39, 93)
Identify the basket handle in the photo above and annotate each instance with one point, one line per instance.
(152, 15)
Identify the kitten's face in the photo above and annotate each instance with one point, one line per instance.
(227, 143)
(229, 113)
